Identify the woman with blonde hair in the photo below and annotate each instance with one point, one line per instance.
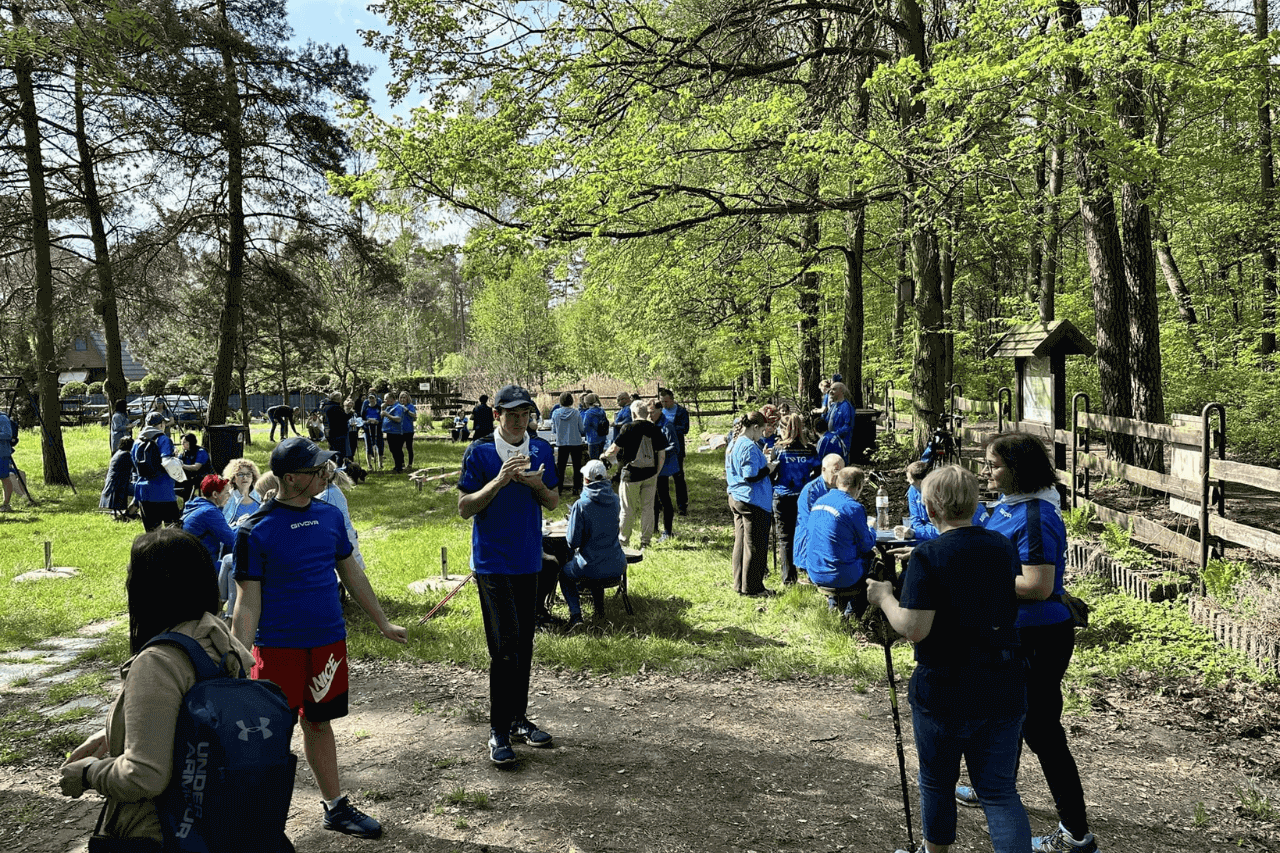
(242, 474)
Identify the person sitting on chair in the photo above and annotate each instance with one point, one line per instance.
(593, 536)
(840, 544)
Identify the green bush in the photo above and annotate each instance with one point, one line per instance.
(135, 387)
(95, 387)
(73, 389)
(1221, 578)
(1078, 520)
(1118, 542)
(153, 384)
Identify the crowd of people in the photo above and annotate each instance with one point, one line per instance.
(981, 596)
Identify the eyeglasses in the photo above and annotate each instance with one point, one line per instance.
(248, 474)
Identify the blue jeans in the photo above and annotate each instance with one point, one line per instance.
(990, 748)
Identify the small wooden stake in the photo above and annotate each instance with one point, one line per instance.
(48, 556)
(444, 563)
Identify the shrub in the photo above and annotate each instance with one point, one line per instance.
(73, 389)
(1078, 520)
(153, 384)
(95, 387)
(1118, 542)
(135, 387)
(1221, 578)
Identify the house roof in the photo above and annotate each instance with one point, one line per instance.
(94, 357)
(1035, 340)
(134, 370)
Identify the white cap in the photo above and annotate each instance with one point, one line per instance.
(595, 470)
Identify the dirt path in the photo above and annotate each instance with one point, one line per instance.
(658, 763)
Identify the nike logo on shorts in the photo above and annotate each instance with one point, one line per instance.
(321, 683)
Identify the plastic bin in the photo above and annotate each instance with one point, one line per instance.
(224, 443)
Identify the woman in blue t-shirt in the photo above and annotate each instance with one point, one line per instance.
(1029, 515)
(798, 463)
(751, 501)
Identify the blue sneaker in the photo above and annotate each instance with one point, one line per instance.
(349, 820)
(500, 751)
(526, 731)
(1061, 841)
(966, 796)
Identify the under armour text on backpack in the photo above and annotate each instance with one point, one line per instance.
(146, 459)
(233, 771)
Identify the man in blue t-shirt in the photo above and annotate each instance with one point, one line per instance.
(288, 610)
(832, 463)
(678, 416)
(622, 417)
(508, 477)
(841, 546)
(157, 498)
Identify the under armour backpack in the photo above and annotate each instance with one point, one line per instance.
(146, 459)
(233, 771)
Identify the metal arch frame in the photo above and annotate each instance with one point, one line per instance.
(1207, 441)
(1076, 446)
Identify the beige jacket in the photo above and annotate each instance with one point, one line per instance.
(141, 724)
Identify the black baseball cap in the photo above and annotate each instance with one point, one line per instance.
(298, 454)
(512, 396)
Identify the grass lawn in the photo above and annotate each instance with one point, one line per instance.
(688, 618)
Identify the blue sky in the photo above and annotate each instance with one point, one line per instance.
(336, 22)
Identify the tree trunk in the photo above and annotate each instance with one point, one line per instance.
(231, 317)
(1052, 228)
(766, 352)
(904, 292)
(115, 387)
(853, 328)
(1173, 278)
(1140, 271)
(1267, 184)
(1035, 259)
(810, 361)
(928, 380)
(1106, 263)
(52, 450)
(947, 273)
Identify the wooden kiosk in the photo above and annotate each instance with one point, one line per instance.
(1039, 352)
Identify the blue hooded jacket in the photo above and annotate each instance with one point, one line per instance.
(566, 423)
(593, 533)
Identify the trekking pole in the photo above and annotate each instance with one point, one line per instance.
(424, 619)
(897, 739)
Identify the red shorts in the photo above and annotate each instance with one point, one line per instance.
(313, 680)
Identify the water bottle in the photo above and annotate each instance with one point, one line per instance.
(882, 509)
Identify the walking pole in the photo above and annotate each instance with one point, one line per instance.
(897, 739)
(424, 619)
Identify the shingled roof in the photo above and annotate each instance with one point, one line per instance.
(1036, 340)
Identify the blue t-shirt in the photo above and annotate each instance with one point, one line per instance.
(969, 667)
(390, 427)
(809, 495)
(621, 419)
(203, 520)
(410, 418)
(840, 543)
(294, 552)
(372, 412)
(920, 523)
(743, 467)
(796, 466)
(671, 463)
(240, 505)
(506, 537)
(1033, 523)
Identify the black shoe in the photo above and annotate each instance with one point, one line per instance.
(574, 624)
(500, 751)
(349, 820)
(526, 731)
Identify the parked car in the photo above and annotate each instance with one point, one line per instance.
(184, 407)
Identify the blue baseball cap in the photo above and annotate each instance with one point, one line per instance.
(298, 454)
(512, 396)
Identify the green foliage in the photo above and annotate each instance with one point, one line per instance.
(1221, 577)
(135, 387)
(1118, 542)
(73, 389)
(95, 388)
(478, 800)
(1077, 520)
(1255, 803)
(153, 384)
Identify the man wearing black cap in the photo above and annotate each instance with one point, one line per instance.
(288, 610)
(157, 498)
(482, 418)
(508, 477)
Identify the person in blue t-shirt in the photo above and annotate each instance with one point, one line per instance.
(622, 417)
(968, 693)
(196, 463)
(202, 516)
(670, 470)
(921, 526)
(797, 464)
(840, 544)
(287, 609)
(408, 425)
(593, 538)
(832, 463)
(393, 428)
(508, 478)
(1029, 515)
(751, 501)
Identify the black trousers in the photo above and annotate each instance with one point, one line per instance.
(408, 448)
(395, 443)
(1048, 650)
(682, 491)
(157, 514)
(507, 606)
(665, 505)
(576, 452)
(786, 508)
